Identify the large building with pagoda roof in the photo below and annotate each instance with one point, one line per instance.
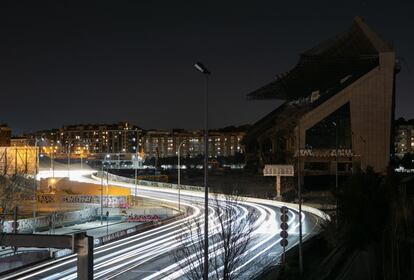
(338, 109)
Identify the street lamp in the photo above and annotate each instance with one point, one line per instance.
(336, 154)
(336, 167)
(36, 171)
(136, 164)
(300, 204)
(69, 148)
(52, 161)
(200, 67)
(179, 178)
(102, 172)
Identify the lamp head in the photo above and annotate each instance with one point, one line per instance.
(200, 67)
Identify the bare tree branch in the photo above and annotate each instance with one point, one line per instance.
(231, 227)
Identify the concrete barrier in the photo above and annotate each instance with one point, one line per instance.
(58, 219)
(134, 230)
(116, 178)
(22, 259)
(196, 191)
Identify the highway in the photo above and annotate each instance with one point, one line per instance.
(148, 255)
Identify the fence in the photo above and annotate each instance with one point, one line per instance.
(18, 160)
(117, 178)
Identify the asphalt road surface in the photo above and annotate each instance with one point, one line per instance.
(149, 255)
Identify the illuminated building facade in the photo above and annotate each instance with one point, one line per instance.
(224, 142)
(123, 138)
(100, 138)
(18, 160)
(19, 142)
(338, 109)
(404, 137)
(5, 135)
(85, 140)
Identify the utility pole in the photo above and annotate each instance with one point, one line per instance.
(69, 143)
(336, 123)
(179, 174)
(36, 171)
(107, 188)
(300, 204)
(136, 165)
(200, 67)
(102, 174)
(15, 224)
(107, 221)
(52, 164)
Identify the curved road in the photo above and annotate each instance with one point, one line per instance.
(148, 255)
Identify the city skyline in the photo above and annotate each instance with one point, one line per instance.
(59, 61)
(206, 140)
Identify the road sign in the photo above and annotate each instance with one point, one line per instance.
(284, 242)
(284, 218)
(283, 233)
(278, 170)
(284, 226)
(284, 210)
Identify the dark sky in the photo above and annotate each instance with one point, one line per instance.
(109, 61)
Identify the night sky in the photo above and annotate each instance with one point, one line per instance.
(109, 61)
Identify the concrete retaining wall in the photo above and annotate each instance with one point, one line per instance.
(59, 219)
(198, 191)
(27, 258)
(117, 178)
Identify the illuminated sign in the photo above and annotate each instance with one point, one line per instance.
(324, 153)
(278, 170)
(143, 218)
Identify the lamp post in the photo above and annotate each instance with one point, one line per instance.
(36, 171)
(136, 164)
(102, 174)
(200, 67)
(336, 167)
(81, 157)
(52, 163)
(179, 175)
(300, 204)
(69, 143)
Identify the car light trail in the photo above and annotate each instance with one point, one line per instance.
(154, 246)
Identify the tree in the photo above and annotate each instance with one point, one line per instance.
(373, 238)
(408, 161)
(12, 189)
(229, 239)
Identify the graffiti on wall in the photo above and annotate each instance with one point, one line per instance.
(108, 201)
(57, 219)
